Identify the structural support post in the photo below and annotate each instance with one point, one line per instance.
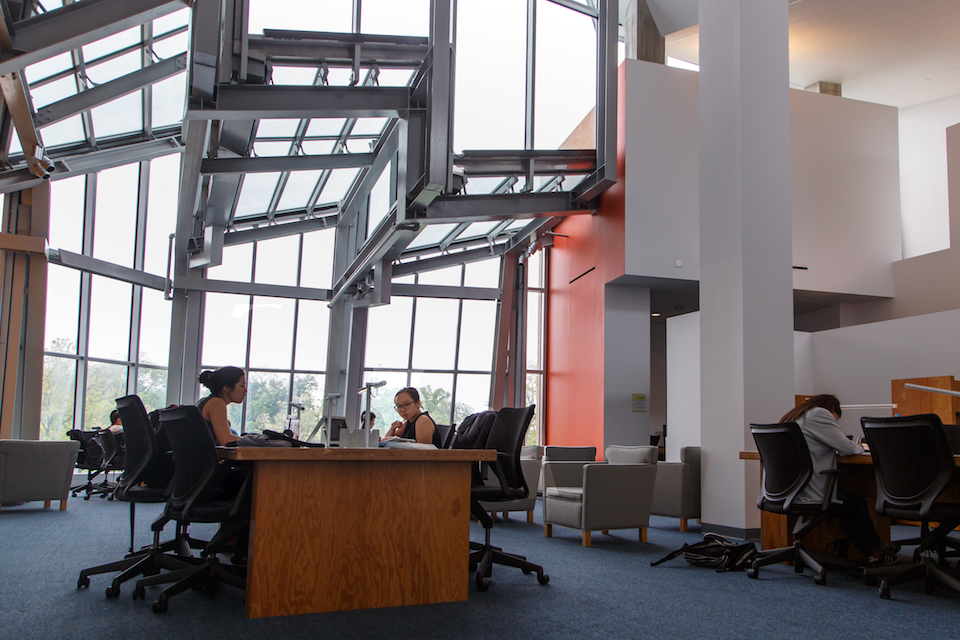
(641, 35)
(23, 303)
(746, 282)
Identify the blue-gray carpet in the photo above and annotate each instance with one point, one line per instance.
(607, 591)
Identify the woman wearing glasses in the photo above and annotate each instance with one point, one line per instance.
(417, 423)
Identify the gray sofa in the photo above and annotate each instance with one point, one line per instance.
(32, 470)
(598, 496)
(677, 492)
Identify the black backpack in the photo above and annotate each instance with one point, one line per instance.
(715, 552)
(473, 431)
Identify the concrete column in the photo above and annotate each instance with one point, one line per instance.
(626, 364)
(641, 36)
(746, 288)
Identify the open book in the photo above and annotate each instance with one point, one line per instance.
(404, 443)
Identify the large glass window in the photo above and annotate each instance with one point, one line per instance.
(536, 331)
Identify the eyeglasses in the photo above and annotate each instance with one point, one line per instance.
(401, 407)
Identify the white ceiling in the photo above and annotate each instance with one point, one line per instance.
(896, 52)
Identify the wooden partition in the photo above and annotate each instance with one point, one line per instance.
(913, 401)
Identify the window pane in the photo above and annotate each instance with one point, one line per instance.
(59, 133)
(473, 395)
(56, 405)
(123, 115)
(271, 340)
(308, 391)
(477, 335)
(534, 396)
(66, 213)
(435, 333)
(312, 332)
(436, 392)
(105, 383)
(382, 398)
(169, 99)
(161, 212)
(491, 34)
(152, 388)
(110, 44)
(267, 401)
(337, 185)
(256, 192)
(53, 91)
(535, 270)
(380, 200)
(63, 309)
(329, 15)
(410, 18)
(485, 273)
(114, 68)
(115, 224)
(236, 264)
(534, 328)
(277, 261)
(225, 330)
(297, 191)
(388, 335)
(451, 276)
(566, 50)
(316, 266)
(50, 66)
(155, 328)
(109, 319)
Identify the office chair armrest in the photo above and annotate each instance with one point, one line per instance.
(502, 478)
(243, 495)
(831, 484)
(563, 474)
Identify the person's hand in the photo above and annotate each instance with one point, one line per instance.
(395, 427)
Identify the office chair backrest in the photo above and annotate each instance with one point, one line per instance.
(506, 436)
(195, 458)
(145, 463)
(112, 457)
(911, 458)
(787, 467)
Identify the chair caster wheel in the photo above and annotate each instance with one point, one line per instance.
(527, 572)
(86, 497)
(820, 578)
(543, 578)
(482, 585)
(885, 590)
(753, 573)
(139, 593)
(160, 606)
(112, 591)
(870, 581)
(83, 582)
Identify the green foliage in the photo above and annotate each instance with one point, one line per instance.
(267, 397)
(59, 383)
(435, 401)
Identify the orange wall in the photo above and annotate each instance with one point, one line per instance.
(574, 344)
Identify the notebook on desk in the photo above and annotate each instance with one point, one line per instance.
(405, 443)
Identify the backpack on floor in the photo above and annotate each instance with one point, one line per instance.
(715, 552)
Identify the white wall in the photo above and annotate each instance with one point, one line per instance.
(661, 200)
(923, 175)
(626, 364)
(658, 376)
(683, 384)
(857, 363)
(802, 364)
(845, 194)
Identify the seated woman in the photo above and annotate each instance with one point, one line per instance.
(417, 424)
(817, 418)
(227, 385)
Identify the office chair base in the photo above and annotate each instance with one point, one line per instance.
(485, 556)
(801, 557)
(927, 570)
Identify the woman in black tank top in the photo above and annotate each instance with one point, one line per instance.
(227, 385)
(417, 423)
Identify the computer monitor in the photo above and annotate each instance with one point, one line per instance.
(335, 425)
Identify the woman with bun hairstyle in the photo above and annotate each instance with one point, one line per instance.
(227, 385)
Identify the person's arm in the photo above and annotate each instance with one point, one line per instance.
(393, 430)
(425, 429)
(826, 429)
(215, 411)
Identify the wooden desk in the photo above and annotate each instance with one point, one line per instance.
(776, 530)
(339, 529)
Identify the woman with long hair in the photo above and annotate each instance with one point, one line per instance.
(818, 419)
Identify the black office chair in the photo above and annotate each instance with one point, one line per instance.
(787, 469)
(447, 431)
(197, 498)
(914, 465)
(147, 478)
(506, 436)
(92, 458)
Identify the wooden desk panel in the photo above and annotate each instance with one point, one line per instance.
(333, 530)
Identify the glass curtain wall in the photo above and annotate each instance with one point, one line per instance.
(536, 331)
(105, 338)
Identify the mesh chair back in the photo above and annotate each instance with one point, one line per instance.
(145, 463)
(912, 461)
(194, 455)
(506, 436)
(787, 467)
(445, 431)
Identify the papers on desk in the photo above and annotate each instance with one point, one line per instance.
(404, 443)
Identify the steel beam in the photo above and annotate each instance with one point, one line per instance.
(507, 206)
(87, 264)
(279, 230)
(506, 163)
(386, 148)
(76, 24)
(452, 293)
(110, 91)
(254, 102)
(287, 163)
(338, 49)
(189, 283)
(447, 260)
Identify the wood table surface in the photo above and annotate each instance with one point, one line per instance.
(339, 529)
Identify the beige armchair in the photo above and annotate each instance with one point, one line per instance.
(32, 470)
(677, 492)
(598, 496)
(530, 461)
